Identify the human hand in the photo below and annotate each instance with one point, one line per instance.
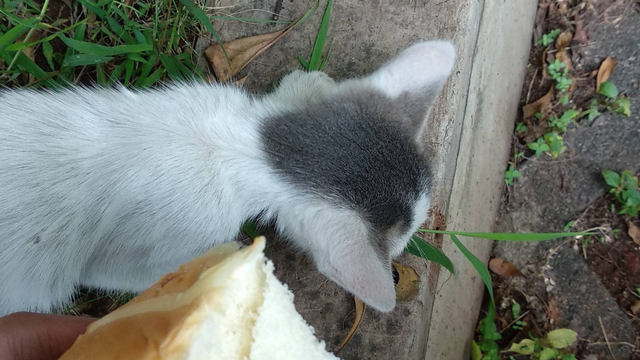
(30, 336)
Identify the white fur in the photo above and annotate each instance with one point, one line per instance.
(420, 64)
(112, 188)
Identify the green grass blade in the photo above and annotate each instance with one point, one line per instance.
(116, 73)
(101, 75)
(20, 46)
(480, 267)
(423, 249)
(65, 73)
(14, 33)
(47, 52)
(146, 70)
(304, 64)
(250, 228)
(93, 8)
(140, 38)
(155, 76)
(23, 62)
(318, 45)
(137, 57)
(201, 16)
(326, 56)
(119, 31)
(172, 69)
(84, 59)
(128, 71)
(101, 50)
(508, 236)
(179, 62)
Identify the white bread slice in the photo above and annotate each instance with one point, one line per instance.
(225, 305)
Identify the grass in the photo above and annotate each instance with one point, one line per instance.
(316, 60)
(138, 44)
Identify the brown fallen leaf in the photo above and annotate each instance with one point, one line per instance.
(634, 233)
(563, 40)
(240, 52)
(635, 308)
(541, 105)
(563, 7)
(605, 70)
(580, 35)
(408, 281)
(553, 313)
(503, 322)
(504, 268)
(562, 56)
(240, 82)
(359, 314)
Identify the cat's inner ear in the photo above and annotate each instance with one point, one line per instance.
(414, 78)
(357, 267)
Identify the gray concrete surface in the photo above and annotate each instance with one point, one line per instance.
(550, 193)
(468, 132)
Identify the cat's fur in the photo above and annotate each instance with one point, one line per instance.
(110, 188)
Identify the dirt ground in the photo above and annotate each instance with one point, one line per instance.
(587, 284)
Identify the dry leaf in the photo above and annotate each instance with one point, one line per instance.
(635, 308)
(544, 62)
(563, 7)
(562, 56)
(240, 52)
(563, 40)
(634, 233)
(504, 268)
(580, 35)
(240, 82)
(605, 70)
(503, 322)
(539, 106)
(359, 314)
(553, 312)
(408, 280)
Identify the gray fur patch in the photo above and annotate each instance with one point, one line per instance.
(353, 151)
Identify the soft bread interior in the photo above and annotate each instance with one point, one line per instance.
(226, 304)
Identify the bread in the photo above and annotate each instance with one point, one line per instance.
(226, 305)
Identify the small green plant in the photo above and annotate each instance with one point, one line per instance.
(564, 100)
(510, 175)
(539, 146)
(519, 155)
(568, 225)
(556, 144)
(553, 346)
(560, 124)
(592, 112)
(316, 61)
(515, 312)
(638, 291)
(558, 71)
(549, 37)
(624, 187)
(521, 127)
(616, 104)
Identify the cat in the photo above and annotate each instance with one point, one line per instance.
(112, 188)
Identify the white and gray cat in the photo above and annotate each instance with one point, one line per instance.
(111, 188)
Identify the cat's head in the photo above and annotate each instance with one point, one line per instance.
(362, 177)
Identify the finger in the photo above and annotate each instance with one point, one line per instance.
(28, 336)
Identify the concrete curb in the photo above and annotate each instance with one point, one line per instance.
(500, 54)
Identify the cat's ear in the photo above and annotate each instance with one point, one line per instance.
(414, 78)
(357, 267)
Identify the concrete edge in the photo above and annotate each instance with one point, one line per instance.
(498, 62)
